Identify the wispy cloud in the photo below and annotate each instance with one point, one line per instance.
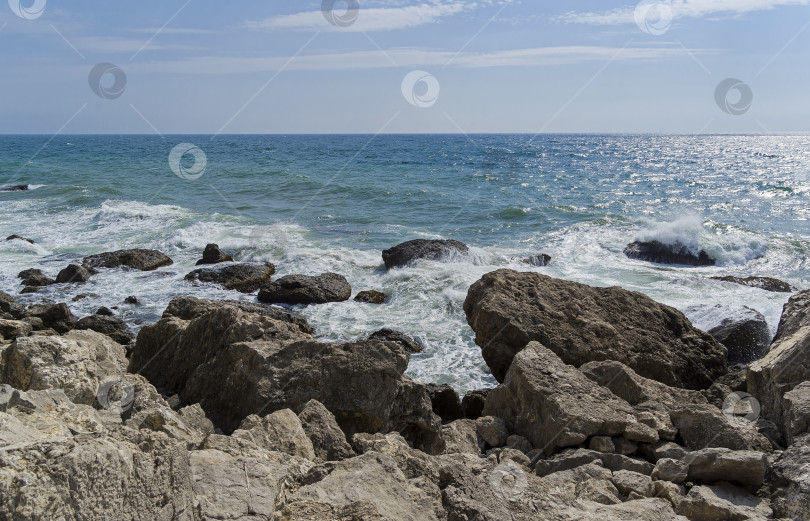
(112, 44)
(369, 19)
(680, 9)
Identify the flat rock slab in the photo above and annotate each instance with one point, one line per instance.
(137, 259)
(766, 283)
(243, 277)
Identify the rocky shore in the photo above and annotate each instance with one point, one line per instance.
(610, 406)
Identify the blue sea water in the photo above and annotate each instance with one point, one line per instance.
(311, 204)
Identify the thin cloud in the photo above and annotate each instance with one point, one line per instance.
(680, 9)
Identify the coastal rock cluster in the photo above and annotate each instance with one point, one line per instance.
(610, 406)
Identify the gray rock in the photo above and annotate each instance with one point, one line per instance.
(280, 431)
(74, 273)
(137, 259)
(461, 437)
(602, 444)
(370, 297)
(673, 470)
(723, 501)
(492, 430)
(634, 389)
(640, 433)
(663, 450)
(473, 403)
(113, 327)
(519, 443)
(747, 338)
(243, 277)
(582, 324)
(34, 278)
(189, 308)
(742, 467)
(573, 458)
(213, 255)
(627, 481)
(676, 253)
(303, 289)
(788, 481)
(796, 412)
(705, 426)
(11, 329)
(407, 253)
(624, 446)
(392, 335)
(328, 440)
(54, 316)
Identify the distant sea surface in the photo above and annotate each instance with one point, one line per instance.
(311, 204)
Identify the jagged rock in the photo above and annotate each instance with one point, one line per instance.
(415, 464)
(137, 259)
(328, 441)
(74, 273)
(538, 260)
(658, 252)
(76, 363)
(189, 308)
(602, 444)
(723, 501)
(461, 437)
(213, 255)
(492, 430)
(747, 338)
(9, 305)
(408, 252)
(113, 327)
(624, 447)
(244, 277)
(796, 412)
(519, 443)
(663, 450)
(573, 458)
(640, 433)
(473, 403)
(788, 481)
(705, 426)
(766, 283)
(787, 364)
(446, 402)
(34, 278)
(11, 329)
(303, 289)
(392, 335)
(627, 481)
(744, 467)
(280, 431)
(554, 405)
(582, 324)
(54, 316)
(82, 296)
(370, 297)
(673, 470)
(263, 365)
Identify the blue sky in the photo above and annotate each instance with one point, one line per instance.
(199, 66)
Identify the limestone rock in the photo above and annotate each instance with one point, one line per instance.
(723, 501)
(765, 283)
(392, 335)
(34, 278)
(408, 252)
(743, 467)
(627, 481)
(705, 426)
(328, 441)
(280, 431)
(303, 289)
(11, 329)
(473, 403)
(492, 430)
(602, 444)
(137, 259)
(243, 277)
(189, 308)
(796, 412)
(370, 297)
(461, 437)
(788, 481)
(747, 337)
(634, 389)
(673, 470)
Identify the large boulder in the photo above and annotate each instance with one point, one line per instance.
(243, 277)
(407, 253)
(34, 278)
(744, 467)
(113, 327)
(54, 316)
(723, 502)
(676, 253)
(787, 363)
(303, 289)
(747, 336)
(765, 283)
(553, 405)
(581, 324)
(796, 412)
(261, 365)
(74, 273)
(320, 425)
(280, 431)
(137, 259)
(706, 426)
(189, 308)
(788, 481)
(213, 255)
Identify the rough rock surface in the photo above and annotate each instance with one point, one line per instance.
(744, 467)
(54, 316)
(706, 426)
(723, 502)
(74, 273)
(796, 412)
(473, 403)
(788, 481)
(392, 335)
(280, 431)
(189, 308)
(370, 297)
(408, 252)
(213, 255)
(446, 402)
(581, 324)
(766, 283)
(328, 440)
(747, 338)
(34, 278)
(242, 277)
(137, 259)
(658, 252)
(303, 289)
(113, 327)
(553, 405)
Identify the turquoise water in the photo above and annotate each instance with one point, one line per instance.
(315, 203)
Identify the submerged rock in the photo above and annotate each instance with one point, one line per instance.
(746, 337)
(17, 188)
(13, 237)
(766, 283)
(370, 297)
(213, 255)
(408, 252)
(137, 259)
(538, 260)
(245, 278)
(660, 253)
(581, 324)
(303, 289)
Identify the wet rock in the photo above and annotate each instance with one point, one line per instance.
(303, 289)
(582, 324)
(7, 302)
(34, 278)
(244, 277)
(722, 501)
(765, 283)
(677, 253)
(55, 316)
(213, 255)
(407, 253)
(280, 431)
(82, 296)
(132, 300)
(473, 403)
(538, 260)
(446, 402)
(104, 311)
(392, 335)
(743, 467)
(13, 237)
(137, 259)
(370, 297)
(113, 327)
(321, 427)
(747, 338)
(75, 274)
(17, 188)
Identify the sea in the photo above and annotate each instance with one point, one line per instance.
(311, 204)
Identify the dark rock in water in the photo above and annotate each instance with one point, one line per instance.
(766, 283)
(54, 316)
(113, 327)
(189, 308)
(538, 260)
(654, 251)
(83, 296)
(10, 306)
(12, 237)
(370, 297)
(104, 311)
(406, 253)
(75, 273)
(392, 335)
(445, 402)
(303, 289)
(144, 260)
(245, 278)
(213, 255)
(18, 188)
(747, 338)
(132, 300)
(473, 403)
(34, 278)
(581, 324)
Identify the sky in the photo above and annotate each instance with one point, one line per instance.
(404, 66)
